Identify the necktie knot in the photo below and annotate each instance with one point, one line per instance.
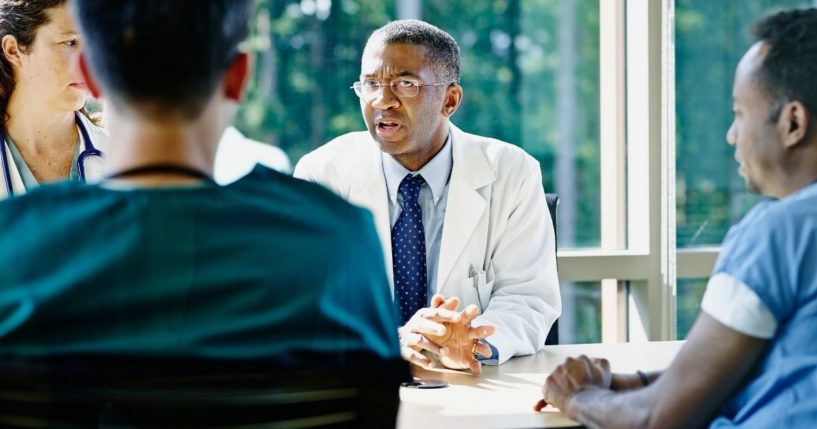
(410, 188)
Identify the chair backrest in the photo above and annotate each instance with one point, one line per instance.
(553, 203)
(112, 391)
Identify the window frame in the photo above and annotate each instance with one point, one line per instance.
(638, 204)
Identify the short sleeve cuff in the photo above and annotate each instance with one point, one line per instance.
(734, 304)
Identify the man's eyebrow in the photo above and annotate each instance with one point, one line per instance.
(401, 74)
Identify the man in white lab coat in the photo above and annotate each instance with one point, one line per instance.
(467, 236)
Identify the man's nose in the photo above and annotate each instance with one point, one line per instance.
(730, 135)
(385, 99)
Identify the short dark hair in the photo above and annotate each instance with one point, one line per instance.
(168, 54)
(789, 70)
(442, 50)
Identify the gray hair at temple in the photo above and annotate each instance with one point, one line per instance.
(442, 51)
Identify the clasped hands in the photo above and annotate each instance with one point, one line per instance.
(447, 334)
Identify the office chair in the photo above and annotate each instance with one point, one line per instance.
(553, 203)
(128, 392)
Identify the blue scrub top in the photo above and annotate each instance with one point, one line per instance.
(774, 252)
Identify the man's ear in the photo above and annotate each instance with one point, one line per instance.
(11, 50)
(236, 77)
(93, 88)
(793, 123)
(453, 98)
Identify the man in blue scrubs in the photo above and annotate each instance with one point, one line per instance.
(751, 357)
(158, 261)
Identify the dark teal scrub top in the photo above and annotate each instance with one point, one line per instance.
(263, 267)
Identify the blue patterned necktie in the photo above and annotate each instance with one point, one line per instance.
(408, 246)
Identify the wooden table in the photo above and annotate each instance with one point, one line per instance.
(504, 396)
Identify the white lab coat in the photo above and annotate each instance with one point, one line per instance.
(496, 221)
(94, 168)
(237, 156)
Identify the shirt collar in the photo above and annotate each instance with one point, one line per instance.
(436, 172)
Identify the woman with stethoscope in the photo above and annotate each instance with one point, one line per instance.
(46, 133)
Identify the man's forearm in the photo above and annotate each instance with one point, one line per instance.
(603, 408)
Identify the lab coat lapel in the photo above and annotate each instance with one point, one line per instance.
(369, 191)
(466, 205)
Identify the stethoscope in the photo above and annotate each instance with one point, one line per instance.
(89, 151)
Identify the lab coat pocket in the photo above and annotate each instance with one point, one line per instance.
(483, 290)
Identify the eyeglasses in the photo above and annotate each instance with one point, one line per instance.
(401, 88)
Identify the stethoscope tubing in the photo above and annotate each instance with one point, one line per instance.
(90, 150)
(6, 174)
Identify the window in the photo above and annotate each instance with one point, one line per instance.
(690, 292)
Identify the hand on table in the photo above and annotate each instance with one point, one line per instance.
(572, 377)
(447, 333)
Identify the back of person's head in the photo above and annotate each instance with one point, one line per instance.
(789, 70)
(20, 19)
(442, 51)
(165, 57)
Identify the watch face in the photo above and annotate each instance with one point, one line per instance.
(424, 383)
